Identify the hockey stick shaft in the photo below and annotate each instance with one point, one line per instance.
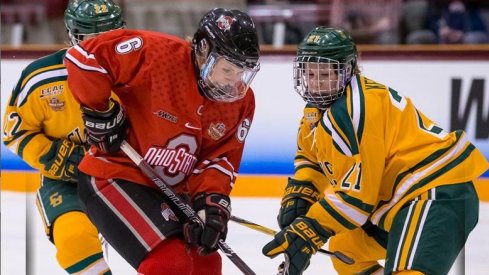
(179, 205)
(340, 256)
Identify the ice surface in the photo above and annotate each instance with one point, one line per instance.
(25, 249)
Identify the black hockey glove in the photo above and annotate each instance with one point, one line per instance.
(297, 199)
(106, 130)
(214, 210)
(299, 241)
(62, 159)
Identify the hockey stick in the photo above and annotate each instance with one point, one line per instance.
(340, 256)
(179, 206)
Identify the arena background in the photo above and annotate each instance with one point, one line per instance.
(431, 77)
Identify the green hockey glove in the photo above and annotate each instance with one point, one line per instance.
(62, 159)
(299, 241)
(297, 199)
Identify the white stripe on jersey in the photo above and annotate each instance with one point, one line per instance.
(303, 162)
(36, 79)
(84, 66)
(347, 210)
(336, 137)
(414, 178)
(418, 234)
(98, 267)
(119, 215)
(41, 203)
(137, 208)
(228, 172)
(83, 52)
(355, 108)
(403, 233)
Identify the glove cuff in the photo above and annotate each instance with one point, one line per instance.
(301, 189)
(114, 106)
(219, 201)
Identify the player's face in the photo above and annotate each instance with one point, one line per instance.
(225, 74)
(321, 78)
(225, 80)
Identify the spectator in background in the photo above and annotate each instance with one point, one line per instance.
(460, 23)
(369, 22)
(369, 30)
(430, 22)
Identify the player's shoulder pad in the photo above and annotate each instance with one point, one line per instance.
(45, 69)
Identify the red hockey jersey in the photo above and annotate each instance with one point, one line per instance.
(194, 144)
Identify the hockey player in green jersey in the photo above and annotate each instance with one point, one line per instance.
(367, 157)
(43, 125)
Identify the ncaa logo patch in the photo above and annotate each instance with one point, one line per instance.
(216, 130)
(56, 104)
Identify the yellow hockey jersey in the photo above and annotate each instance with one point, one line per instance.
(41, 108)
(373, 151)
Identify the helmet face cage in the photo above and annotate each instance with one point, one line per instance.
(325, 63)
(320, 81)
(88, 18)
(224, 79)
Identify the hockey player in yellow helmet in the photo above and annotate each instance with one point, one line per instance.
(373, 174)
(43, 125)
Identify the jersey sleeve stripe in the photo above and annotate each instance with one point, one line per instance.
(437, 154)
(468, 150)
(302, 162)
(368, 208)
(337, 216)
(398, 101)
(416, 176)
(313, 167)
(342, 122)
(83, 66)
(84, 60)
(339, 143)
(41, 70)
(24, 142)
(357, 103)
(346, 210)
(217, 164)
(430, 129)
(17, 136)
(38, 80)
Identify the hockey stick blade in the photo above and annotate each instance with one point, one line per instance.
(340, 256)
(179, 205)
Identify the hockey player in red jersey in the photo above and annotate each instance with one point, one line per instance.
(185, 107)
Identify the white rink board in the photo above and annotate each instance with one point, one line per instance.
(20, 219)
(270, 145)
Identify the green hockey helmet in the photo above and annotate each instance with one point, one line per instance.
(91, 17)
(325, 63)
